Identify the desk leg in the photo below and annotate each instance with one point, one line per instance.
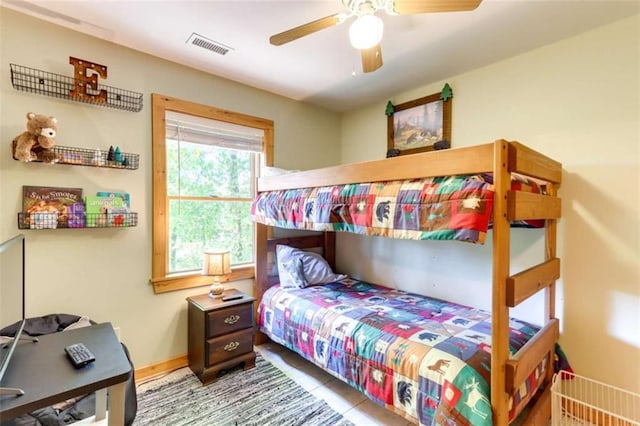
(101, 404)
(116, 404)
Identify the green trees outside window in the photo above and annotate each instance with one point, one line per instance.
(209, 190)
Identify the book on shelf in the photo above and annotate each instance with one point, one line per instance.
(119, 216)
(77, 216)
(52, 201)
(123, 195)
(97, 210)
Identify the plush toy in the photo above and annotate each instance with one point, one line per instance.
(35, 144)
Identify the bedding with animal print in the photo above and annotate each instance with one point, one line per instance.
(439, 208)
(426, 359)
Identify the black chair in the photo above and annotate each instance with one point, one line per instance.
(77, 409)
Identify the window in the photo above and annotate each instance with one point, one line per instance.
(205, 161)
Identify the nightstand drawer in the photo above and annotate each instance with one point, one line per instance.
(229, 346)
(230, 319)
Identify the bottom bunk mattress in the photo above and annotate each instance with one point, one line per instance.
(426, 359)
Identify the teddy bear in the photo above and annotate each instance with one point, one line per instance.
(36, 142)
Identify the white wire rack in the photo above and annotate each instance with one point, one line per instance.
(577, 400)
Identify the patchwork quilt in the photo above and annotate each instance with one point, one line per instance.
(439, 208)
(426, 359)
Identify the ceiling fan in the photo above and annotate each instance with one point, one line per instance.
(365, 32)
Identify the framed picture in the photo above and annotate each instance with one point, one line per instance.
(417, 125)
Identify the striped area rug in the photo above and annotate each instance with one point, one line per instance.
(261, 396)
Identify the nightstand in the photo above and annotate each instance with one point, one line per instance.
(220, 334)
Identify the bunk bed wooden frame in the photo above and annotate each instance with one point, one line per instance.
(502, 158)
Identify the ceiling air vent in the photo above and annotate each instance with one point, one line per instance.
(205, 43)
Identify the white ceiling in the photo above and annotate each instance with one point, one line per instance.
(323, 68)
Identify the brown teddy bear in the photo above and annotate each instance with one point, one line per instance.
(35, 144)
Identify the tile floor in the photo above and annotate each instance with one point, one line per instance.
(353, 405)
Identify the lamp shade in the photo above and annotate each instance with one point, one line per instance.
(366, 31)
(216, 262)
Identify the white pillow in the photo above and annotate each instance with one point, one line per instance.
(290, 271)
(298, 268)
(275, 171)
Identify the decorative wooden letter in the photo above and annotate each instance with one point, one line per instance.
(85, 83)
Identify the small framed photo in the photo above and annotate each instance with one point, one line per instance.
(416, 126)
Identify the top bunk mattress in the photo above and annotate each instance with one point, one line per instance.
(439, 208)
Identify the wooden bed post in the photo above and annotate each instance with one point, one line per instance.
(500, 311)
(260, 274)
(329, 248)
(550, 292)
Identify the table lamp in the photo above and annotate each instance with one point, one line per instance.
(216, 263)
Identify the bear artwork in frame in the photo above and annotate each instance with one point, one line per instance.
(420, 125)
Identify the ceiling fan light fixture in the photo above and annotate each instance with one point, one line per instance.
(366, 31)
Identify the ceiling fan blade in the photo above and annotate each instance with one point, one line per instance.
(407, 7)
(306, 29)
(371, 58)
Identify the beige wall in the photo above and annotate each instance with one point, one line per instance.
(578, 102)
(104, 273)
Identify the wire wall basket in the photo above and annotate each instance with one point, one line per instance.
(96, 158)
(93, 158)
(55, 220)
(60, 86)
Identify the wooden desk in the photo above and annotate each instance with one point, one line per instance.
(45, 374)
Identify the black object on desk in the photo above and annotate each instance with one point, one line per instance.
(79, 355)
(232, 297)
(45, 374)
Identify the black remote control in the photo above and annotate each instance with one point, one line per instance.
(79, 355)
(232, 297)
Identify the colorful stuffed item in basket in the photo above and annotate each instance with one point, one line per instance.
(36, 142)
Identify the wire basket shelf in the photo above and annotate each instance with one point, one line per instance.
(579, 401)
(93, 158)
(59, 86)
(47, 220)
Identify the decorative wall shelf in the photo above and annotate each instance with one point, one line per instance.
(91, 220)
(94, 158)
(60, 86)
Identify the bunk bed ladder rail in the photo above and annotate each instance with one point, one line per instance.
(509, 291)
(501, 259)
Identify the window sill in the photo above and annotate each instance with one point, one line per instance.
(181, 282)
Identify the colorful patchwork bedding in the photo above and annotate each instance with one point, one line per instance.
(423, 358)
(440, 208)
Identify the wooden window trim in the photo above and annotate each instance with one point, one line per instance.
(162, 281)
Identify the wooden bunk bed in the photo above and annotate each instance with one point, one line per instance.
(501, 159)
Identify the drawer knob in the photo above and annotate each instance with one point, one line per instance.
(232, 319)
(232, 346)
